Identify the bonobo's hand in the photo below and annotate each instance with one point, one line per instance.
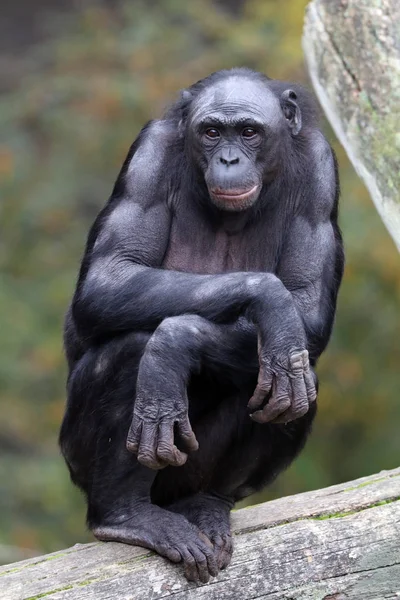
(292, 384)
(285, 380)
(160, 411)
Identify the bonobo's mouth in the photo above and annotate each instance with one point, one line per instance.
(235, 195)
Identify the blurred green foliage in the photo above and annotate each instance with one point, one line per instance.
(66, 131)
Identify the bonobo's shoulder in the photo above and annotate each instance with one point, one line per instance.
(322, 175)
(160, 129)
(150, 151)
(320, 154)
(157, 134)
(147, 154)
(319, 145)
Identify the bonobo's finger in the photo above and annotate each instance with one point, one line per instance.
(309, 379)
(147, 447)
(310, 387)
(134, 433)
(166, 449)
(299, 405)
(300, 397)
(186, 433)
(278, 403)
(263, 388)
(296, 361)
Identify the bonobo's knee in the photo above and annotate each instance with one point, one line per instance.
(178, 332)
(262, 286)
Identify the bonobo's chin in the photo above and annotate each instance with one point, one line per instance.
(234, 200)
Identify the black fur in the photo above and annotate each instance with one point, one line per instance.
(211, 271)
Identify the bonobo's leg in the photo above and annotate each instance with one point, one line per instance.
(179, 347)
(93, 439)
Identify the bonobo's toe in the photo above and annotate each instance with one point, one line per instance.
(223, 548)
(211, 516)
(171, 536)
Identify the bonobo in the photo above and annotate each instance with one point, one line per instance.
(206, 294)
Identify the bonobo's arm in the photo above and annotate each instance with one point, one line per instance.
(181, 346)
(311, 266)
(121, 289)
(312, 262)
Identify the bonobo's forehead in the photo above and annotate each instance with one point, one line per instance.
(237, 96)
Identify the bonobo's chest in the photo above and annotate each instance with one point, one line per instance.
(198, 246)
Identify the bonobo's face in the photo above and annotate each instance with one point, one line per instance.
(234, 130)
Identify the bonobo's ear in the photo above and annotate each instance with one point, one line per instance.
(291, 110)
(186, 98)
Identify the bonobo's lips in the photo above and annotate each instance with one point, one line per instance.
(233, 195)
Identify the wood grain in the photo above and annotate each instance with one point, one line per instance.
(339, 543)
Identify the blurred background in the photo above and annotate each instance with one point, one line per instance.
(78, 80)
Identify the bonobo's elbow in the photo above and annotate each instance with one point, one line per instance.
(101, 310)
(88, 313)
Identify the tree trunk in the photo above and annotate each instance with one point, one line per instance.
(340, 543)
(352, 49)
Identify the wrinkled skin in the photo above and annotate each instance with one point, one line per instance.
(206, 295)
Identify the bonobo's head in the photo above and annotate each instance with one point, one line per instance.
(237, 130)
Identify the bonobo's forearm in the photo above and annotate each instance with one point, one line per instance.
(181, 346)
(132, 297)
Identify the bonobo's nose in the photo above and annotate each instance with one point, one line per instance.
(229, 161)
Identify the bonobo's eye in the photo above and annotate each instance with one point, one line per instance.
(212, 133)
(249, 132)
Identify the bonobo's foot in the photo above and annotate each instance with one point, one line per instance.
(168, 534)
(160, 413)
(293, 389)
(211, 515)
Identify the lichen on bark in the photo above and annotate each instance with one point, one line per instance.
(352, 49)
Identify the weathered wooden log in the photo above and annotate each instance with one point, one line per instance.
(340, 543)
(352, 49)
